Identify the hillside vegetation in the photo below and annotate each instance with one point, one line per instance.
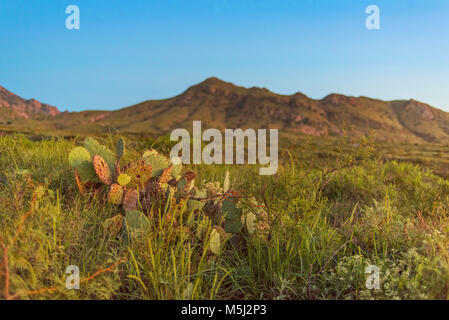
(333, 208)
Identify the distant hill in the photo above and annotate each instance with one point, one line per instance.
(220, 104)
(13, 107)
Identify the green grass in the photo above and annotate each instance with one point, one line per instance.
(334, 208)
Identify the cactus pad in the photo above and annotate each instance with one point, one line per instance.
(115, 194)
(120, 148)
(80, 160)
(139, 172)
(233, 215)
(102, 169)
(95, 148)
(166, 175)
(136, 221)
(123, 179)
(86, 171)
(77, 156)
(131, 200)
(157, 161)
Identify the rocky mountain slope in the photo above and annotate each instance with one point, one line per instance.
(13, 107)
(220, 104)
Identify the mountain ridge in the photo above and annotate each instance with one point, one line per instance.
(219, 104)
(13, 107)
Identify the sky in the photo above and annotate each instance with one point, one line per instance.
(129, 51)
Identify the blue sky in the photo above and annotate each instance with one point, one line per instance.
(134, 50)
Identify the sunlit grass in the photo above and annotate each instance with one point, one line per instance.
(333, 210)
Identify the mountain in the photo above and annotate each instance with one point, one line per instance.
(221, 105)
(13, 107)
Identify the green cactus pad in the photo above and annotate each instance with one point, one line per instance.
(136, 220)
(115, 194)
(123, 179)
(120, 148)
(233, 215)
(102, 169)
(157, 161)
(96, 148)
(79, 155)
(80, 159)
(86, 171)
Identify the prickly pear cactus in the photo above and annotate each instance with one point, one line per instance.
(131, 200)
(95, 148)
(156, 183)
(120, 148)
(115, 194)
(139, 172)
(123, 179)
(102, 169)
(232, 215)
(157, 161)
(78, 155)
(80, 160)
(166, 175)
(136, 221)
